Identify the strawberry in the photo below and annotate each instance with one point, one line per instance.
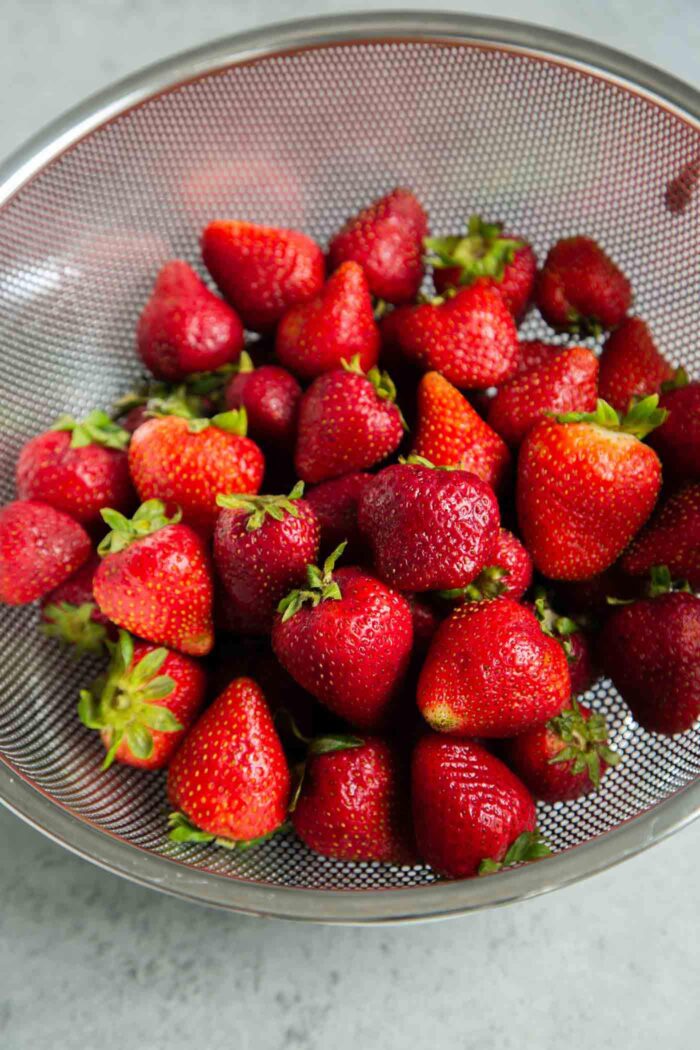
(428, 528)
(347, 422)
(353, 803)
(229, 780)
(671, 538)
(78, 468)
(39, 548)
(143, 704)
(337, 325)
(587, 599)
(426, 621)
(566, 383)
(262, 546)
(452, 433)
(335, 505)
(677, 441)
(565, 758)
(573, 641)
(586, 485)
(488, 255)
(155, 579)
(470, 813)
(184, 327)
(386, 239)
(631, 365)
(533, 352)
(261, 270)
(580, 289)
(346, 638)
(190, 461)
(270, 396)
(70, 613)
(509, 573)
(491, 671)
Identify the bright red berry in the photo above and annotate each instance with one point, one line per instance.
(580, 288)
(270, 396)
(631, 365)
(39, 548)
(677, 441)
(671, 538)
(335, 504)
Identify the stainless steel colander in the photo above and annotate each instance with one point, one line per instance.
(300, 125)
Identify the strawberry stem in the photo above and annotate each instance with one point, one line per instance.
(483, 252)
(558, 627)
(96, 429)
(150, 517)
(642, 418)
(585, 742)
(73, 625)
(320, 587)
(258, 507)
(527, 847)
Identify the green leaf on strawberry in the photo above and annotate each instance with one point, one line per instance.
(585, 742)
(74, 625)
(150, 517)
(483, 252)
(320, 587)
(258, 507)
(96, 429)
(527, 847)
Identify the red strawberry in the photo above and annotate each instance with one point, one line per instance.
(144, 704)
(70, 612)
(489, 255)
(155, 579)
(386, 239)
(470, 813)
(533, 352)
(630, 365)
(229, 781)
(78, 468)
(39, 548)
(452, 433)
(337, 325)
(346, 639)
(262, 271)
(671, 538)
(566, 383)
(185, 328)
(491, 671)
(426, 621)
(270, 396)
(509, 573)
(335, 505)
(565, 758)
(586, 485)
(429, 528)
(580, 289)
(190, 461)
(354, 803)
(347, 422)
(573, 641)
(677, 441)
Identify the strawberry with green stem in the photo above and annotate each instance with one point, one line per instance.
(671, 538)
(573, 640)
(270, 396)
(580, 289)
(510, 573)
(70, 613)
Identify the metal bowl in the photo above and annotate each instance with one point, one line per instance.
(299, 125)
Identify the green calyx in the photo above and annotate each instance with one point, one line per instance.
(661, 582)
(641, 419)
(527, 847)
(384, 386)
(414, 460)
(490, 583)
(74, 626)
(483, 252)
(258, 507)
(558, 627)
(122, 700)
(585, 742)
(584, 327)
(183, 830)
(187, 399)
(150, 517)
(233, 422)
(96, 429)
(321, 587)
(679, 379)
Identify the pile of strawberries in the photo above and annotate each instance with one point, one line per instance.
(385, 650)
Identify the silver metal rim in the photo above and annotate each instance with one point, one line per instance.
(342, 906)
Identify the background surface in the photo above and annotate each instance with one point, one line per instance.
(89, 960)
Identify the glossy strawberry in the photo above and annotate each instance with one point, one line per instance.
(631, 365)
(509, 573)
(677, 441)
(533, 352)
(671, 537)
(40, 547)
(70, 613)
(580, 288)
(335, 505)
(270, 396)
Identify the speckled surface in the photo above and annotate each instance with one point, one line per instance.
(89, 960)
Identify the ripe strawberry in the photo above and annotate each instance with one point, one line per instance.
(184, 327)
(566, 383)
(426, 621)
(337, 325)
(353, 803)
(533, 352)
(491, 671)
(262, 271)
(677, 441)
(346, 639)
(486, 254)
(386, 239)
(452, 433)
(70, 613)
(580, 289)
(335, 505)
(143, 704)
(671, 538)
(509, 573)
(630, 365)
(347, 422)
(270, 396)
(470, 813)
(565, 758)
(572, 639)
(229, 780)
(78, 468)
(428, 528)
(190, 461)
(155, 579)
(39, 548)
(586, 485)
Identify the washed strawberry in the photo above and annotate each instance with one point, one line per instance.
(491, 672)
(261, 270)
(346, 638)
(486, 254)
(144, 703)
(586, 485)
(428, 528)
(631, 365)
(566, 383)
(270, 396)
(229, 780)
(533, 352)
(347, 422)
(70, 613)
(509, 573)
(39, 548)
(565, 758)
(184, 327)
(335, 505)
(677, 441)
(671, 538)
(572, 639)
(354, 802)
(188, 462)
(470, 813)
(452, 433)
(580, 289)
(155, 579)
(78, 468)
(337, 325)
(386, 239)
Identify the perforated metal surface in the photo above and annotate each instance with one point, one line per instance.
(303, 139)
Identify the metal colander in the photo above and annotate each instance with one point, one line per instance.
(300, 126)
